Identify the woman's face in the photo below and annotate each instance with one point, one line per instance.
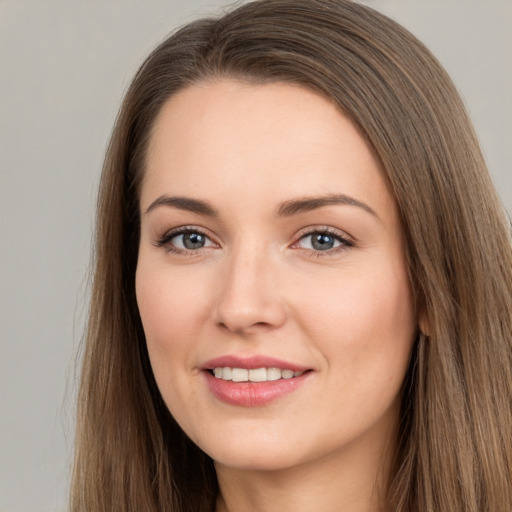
(271, 248)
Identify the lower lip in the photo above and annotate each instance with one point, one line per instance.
(252, 394)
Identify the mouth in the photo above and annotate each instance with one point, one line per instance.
(253, 381)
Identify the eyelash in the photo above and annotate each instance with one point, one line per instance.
(345, 243)
(165, 240)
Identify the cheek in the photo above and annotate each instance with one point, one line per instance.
(172, 317)
(170, 311)
(364, 322)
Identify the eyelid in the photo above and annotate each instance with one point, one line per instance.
(165, 239)
(338, 233)
(347, 241)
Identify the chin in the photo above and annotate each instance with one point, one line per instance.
(256, 460)
(262, 454)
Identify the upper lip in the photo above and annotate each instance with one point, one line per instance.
(251, 362)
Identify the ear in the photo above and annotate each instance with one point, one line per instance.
(424, 323)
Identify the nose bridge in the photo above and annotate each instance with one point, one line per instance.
(248, 295)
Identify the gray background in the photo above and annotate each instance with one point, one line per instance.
(63, 68)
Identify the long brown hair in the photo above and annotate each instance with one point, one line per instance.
(455, 439)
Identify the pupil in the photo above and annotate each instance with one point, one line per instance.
(193, 240)
(323, 242)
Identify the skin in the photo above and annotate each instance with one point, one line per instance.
(258, 287)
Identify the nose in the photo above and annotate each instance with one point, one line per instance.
(249, 298)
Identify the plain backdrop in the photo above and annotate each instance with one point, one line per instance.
(64, 65)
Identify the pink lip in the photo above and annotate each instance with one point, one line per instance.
(252, 394)
(251, 362)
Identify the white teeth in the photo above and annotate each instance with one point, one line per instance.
(239, 375)
(254, 375)
(258, 375)
(273, 374)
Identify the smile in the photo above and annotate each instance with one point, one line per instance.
(253, 375)
(253, 381)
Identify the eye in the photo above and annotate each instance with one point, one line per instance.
(186, 239)
(323, 241)
(190, 241)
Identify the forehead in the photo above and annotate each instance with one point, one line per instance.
(254, 142)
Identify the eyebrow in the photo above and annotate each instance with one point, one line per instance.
(306, 204)
(184, 203)
(285, 209)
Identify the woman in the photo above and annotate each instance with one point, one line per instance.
(303, 286)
